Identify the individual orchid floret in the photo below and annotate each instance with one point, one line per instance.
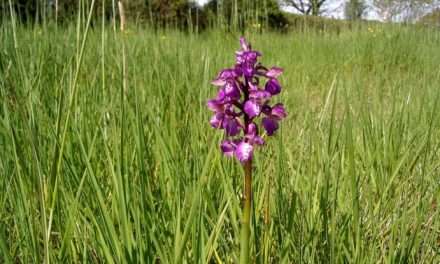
(242, 100)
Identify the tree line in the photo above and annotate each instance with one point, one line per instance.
(237, 14)
(157, 13)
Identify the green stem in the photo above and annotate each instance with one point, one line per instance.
(246, 217)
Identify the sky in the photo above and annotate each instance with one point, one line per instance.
(202, 2)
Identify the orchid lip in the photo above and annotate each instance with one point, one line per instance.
(251, 108)
(244, 151)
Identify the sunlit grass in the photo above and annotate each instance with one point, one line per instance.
(95, 171)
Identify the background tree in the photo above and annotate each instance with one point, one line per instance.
(26, 10)
(403, 10)
(245, 13)
(306, 7)
(177, 13)
(354, 9)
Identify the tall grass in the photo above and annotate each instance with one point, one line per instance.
(105, 161)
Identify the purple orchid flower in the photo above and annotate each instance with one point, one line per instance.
(240, 102)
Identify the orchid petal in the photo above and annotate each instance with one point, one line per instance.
(227, 74)
(273, 86)
(232, 90)
(278, 111)
(228, 148)
(221, 95)
(217, 120)
(218, 82)
(244, 44)
(260, 95)
(215, 105)
(270, 125)
(257, 140)
(266, 109)
(274, 72)
(232, 127)
(248, 70)
(252, 129)
(253, 86)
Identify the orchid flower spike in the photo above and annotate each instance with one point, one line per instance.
(242, 105)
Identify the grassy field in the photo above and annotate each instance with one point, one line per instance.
(106, 153)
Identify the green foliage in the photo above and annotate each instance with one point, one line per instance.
(107, 155)
(177, 13)
(306, 7)
(27, 10)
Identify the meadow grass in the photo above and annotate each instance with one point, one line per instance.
(106, 153)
